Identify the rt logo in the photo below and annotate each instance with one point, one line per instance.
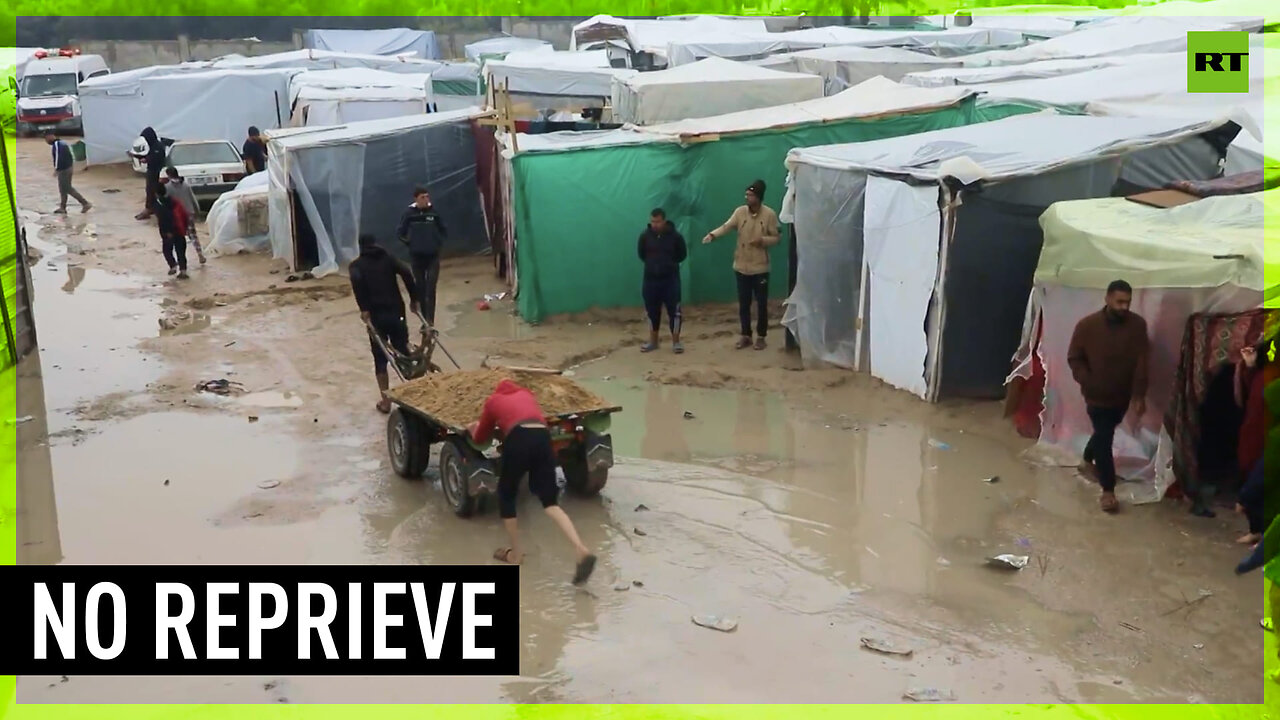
(1217, 62)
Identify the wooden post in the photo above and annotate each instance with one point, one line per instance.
(791, 342)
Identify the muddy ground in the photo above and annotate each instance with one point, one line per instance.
(809, 504)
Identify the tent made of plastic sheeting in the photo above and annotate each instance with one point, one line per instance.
(324, 60)
(555, 74)
(842, 67)
(190, 103)
(330, 185)
(916, 254)
(498, 47)
(334, 97)
(706, 88)
(609, 181)
(388, 41)
(653, 36)
(1005, 73)
(956, 41)
(238, 220)
(1270, 12)
(1037, 26)
(1116, 36)
(1203, 257)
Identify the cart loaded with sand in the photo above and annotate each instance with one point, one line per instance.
(438, 406)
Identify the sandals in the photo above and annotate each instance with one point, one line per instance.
(585, 567)
(760, 344)
(503, 554)
(1109, 503)
(743, 342)
(648, 347)
(677, 348)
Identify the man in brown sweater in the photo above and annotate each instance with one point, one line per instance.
(1108, 358)
(758, 231)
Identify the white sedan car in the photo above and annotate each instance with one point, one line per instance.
(210, 167)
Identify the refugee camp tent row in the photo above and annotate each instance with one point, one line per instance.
(643, 44)
(842, 67)
(708, 87)
(328, 185)
(608, 181)
(206, 100)
(559, 84)
(1037, 26)
(1116, 36)
(334, 97)
(942, 43)
(916, 254)
(1024, 71)
(498, 48)
(456, 86)
(1200, 274)
(387, 41)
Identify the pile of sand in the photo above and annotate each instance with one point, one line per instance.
(456, 398)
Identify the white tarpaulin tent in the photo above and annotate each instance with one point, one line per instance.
(901, 263)
(653, 36)
(235, 218)
(330, 184)
(334, 97)
(1006, 73)
(180, 103)
(1116, 36)
(323, 60)
(1043, 26)
(559, 74)
(842, 67)
(747, 47)
(498, 47)
(1205, 256)
(709, 87)
(389, 41)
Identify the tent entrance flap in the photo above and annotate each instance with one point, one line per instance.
(991, 260)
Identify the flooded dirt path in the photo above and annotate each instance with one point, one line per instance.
(813, 506)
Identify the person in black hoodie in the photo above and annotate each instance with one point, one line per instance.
(662, 249)
(373, 282)
(155, 156)
(422, 230)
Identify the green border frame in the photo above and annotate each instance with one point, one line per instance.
(9, 709)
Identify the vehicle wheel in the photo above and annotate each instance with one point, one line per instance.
(578, 480)
(407, 443)
(454, 482)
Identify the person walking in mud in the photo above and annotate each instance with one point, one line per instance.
(64, 164)
(172, 221)
(662, 249)
(155, 157)
(758, 231)
(1108, 358)
(178, 190)
(513, 413)
(422, 231)
(373, 282)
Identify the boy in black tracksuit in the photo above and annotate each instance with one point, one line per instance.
(373, 282)
(423, 231)
(662, 249)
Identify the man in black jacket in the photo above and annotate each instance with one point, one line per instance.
(662, 249)
(423, 231)
(373, 282)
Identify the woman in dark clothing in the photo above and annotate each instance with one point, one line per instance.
(155, 159)
(1253, 373)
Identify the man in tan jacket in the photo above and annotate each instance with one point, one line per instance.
(757, 228)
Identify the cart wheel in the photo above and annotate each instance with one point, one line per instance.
(407, 443)
(454, 483)
(578, 480)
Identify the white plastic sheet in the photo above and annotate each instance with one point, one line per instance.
(223, 220)
(706, 88)
(842, 67)
(584, 74)
(388, 41)
(499, 46)
(938, 77)
(902, 230)
(754, 46)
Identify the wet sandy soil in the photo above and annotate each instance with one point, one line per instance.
(812, 505)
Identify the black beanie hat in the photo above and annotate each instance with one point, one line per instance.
(757, 188)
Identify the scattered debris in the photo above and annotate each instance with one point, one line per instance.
(1127, 626)
(219, 387)
(1008, 562)
(253, 418)
(1198, 646)
(688, 415)
(233, 342)
(21, 420)
(637, 583)
(716, 622)
(928, 694)
(642, 507)
(622, 586)
(885, 647)
(1204, 595)
(110, 191)
(482, 305)
(166, 482)
(992, 480)
(491, 297)
(943, 562)
(291, 278)
(639, 532)
(268, 484)
(938, 444)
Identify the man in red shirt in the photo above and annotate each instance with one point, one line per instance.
(514, 413)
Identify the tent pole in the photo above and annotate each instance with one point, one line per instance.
(793, 261)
